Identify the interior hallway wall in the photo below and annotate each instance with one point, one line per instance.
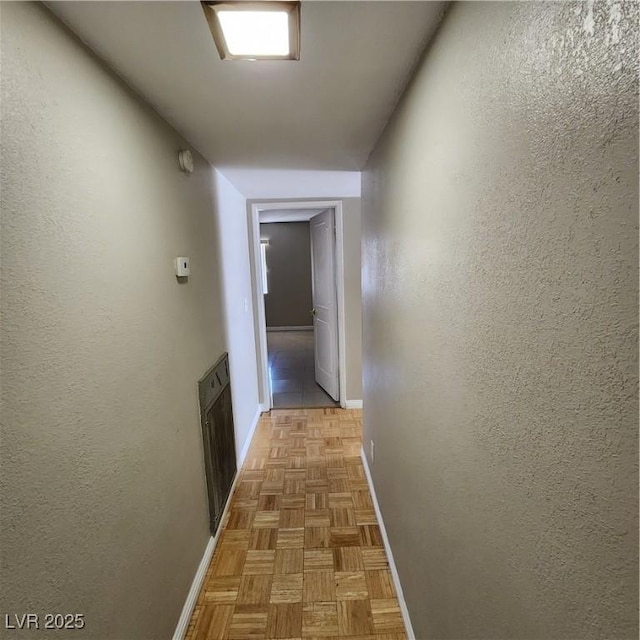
(104, 508)
(289, 301)
(500, 284)
(352, 254)
(238, 306)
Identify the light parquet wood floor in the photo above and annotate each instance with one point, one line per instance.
(300, 553)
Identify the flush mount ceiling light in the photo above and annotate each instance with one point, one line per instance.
(255, 30)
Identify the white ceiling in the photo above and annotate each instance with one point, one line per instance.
(294, 183)
(324, 112)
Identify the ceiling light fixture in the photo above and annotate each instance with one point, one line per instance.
(245, 30)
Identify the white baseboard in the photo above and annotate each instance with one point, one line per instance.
(196, 585)
(303, 328)
(353, 404)
(192, 596)
(392, 565)
(247, 442)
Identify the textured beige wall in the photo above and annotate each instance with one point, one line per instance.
(500, 215)
(103, 499)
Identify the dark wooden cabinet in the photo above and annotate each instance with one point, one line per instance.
(216, 416)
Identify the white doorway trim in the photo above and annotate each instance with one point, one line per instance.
(259, 315)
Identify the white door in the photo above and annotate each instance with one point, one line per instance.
(325, 305)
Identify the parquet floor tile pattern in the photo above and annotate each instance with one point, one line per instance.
(300, 553)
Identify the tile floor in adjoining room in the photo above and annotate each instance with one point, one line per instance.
(300, 553)
(292, 371)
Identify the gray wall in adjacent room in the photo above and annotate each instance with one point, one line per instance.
(289, 302)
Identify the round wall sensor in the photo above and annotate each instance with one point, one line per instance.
(185, 159)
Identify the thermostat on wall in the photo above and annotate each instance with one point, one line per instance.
(183, 267)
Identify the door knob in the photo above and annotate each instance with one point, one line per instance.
(312, 312)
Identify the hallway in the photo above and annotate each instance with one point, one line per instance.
(300, 554)
(479, 161)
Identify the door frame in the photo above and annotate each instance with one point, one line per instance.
(259, 315)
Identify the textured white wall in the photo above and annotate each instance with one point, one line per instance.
(238, 307)
(104, 507)
(500, 278)
(351, 208)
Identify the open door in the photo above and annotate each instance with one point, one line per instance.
(325, 305)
